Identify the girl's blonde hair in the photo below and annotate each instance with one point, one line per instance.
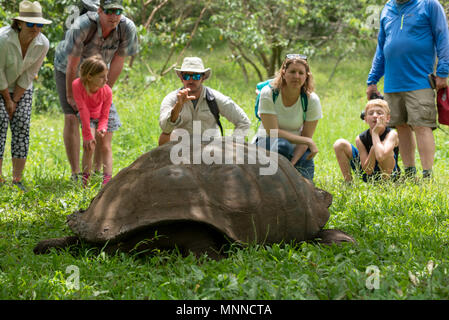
(90, 67)
(308, 86)
(378, 103)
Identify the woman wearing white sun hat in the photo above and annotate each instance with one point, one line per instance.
(22, 51)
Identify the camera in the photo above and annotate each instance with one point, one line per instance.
(373, 95)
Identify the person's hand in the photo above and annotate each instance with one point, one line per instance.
(72, 103)
(11, 107)
(372, 88)
(313, 149)
(183, 96)
(89, 145)
(101, 132)
(440, 83)
(380, 126)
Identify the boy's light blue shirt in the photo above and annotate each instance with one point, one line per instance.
(411, 36)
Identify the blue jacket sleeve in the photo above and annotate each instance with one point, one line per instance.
(441, 37)
(378, 66)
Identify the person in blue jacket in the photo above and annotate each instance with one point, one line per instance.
(413, 33)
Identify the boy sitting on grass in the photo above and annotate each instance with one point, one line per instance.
(377, 148)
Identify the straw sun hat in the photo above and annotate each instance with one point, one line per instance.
(193, 65)
(31, 12)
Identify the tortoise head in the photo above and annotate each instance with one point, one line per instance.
(324, 197)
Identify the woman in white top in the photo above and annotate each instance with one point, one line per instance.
(284, 111)
(22, 51)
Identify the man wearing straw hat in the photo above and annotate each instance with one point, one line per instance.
(193, 103)
(107, 33)
(23, 48)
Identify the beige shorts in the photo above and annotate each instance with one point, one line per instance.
(415, 108)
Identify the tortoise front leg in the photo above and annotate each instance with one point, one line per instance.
(44, 246)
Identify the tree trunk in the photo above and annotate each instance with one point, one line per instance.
(238, 59)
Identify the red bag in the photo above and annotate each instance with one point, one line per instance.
(443, 106)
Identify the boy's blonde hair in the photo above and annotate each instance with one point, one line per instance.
(378, 103)
(91, 67)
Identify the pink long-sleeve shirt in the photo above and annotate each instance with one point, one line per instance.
(92, 106)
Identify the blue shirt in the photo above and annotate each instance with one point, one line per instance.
(410, 38)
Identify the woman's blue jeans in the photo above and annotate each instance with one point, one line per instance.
(282, 146)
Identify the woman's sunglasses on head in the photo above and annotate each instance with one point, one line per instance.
(117, 12)
(196, 76)
(296, 56)
(31, 25)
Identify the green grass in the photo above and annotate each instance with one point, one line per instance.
(400, 228)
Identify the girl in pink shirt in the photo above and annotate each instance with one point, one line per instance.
(93, 98)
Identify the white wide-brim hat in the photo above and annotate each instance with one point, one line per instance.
(194, 65)
(31, 12)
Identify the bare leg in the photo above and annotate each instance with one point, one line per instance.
(18, 164)
(343, 153)
(98, 161)
(164, 138)
(87, 157)
(106, 152)
(426, 146)
(72, 141)
(407, 145)
(387, 166)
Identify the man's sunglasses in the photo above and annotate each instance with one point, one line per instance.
(196, 76)
(296, 56)
(31, 25)
(117, 12)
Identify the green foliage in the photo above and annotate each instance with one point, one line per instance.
(262, 31)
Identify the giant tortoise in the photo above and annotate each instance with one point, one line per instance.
(176, 196)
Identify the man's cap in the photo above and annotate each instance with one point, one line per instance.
(111, 4)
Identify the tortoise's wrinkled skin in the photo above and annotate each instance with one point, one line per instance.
(200, 207)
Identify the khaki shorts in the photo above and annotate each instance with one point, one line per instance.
(415, 108)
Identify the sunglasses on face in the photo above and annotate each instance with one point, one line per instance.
(31, 25)
(196, 76)
(117, 12)
(296, 56)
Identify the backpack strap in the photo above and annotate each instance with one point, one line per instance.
(304, 104)
(93, 27)
(275, 94)
(213, 107)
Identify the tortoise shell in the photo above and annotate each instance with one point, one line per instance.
(189, 201)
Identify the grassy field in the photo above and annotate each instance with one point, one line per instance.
(401, 229)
